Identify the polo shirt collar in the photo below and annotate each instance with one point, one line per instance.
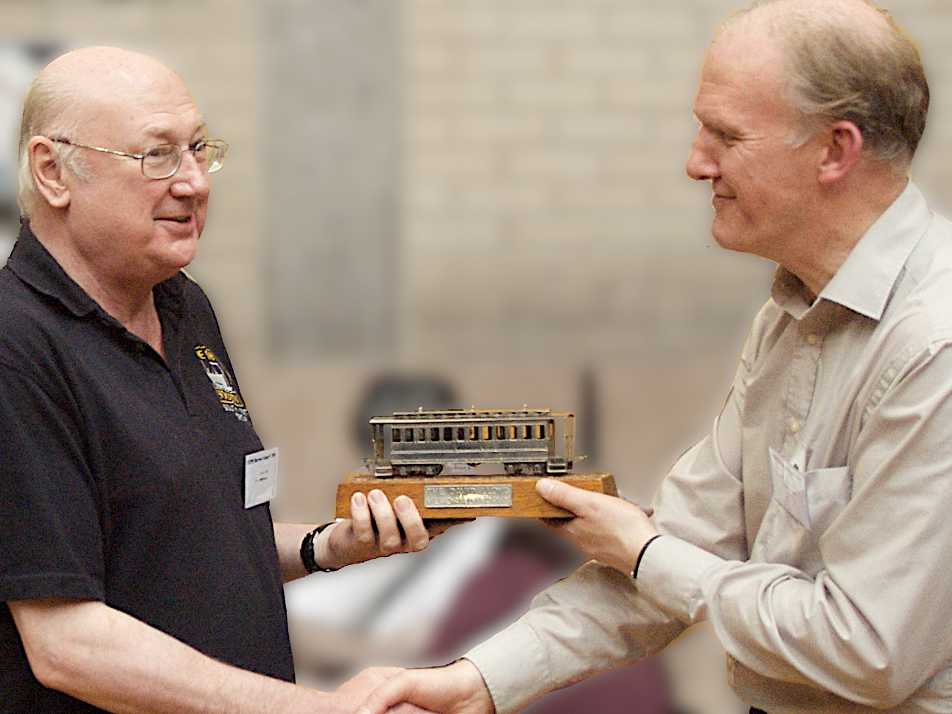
(868, 276)
(32, 263)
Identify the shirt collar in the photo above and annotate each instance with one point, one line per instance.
(32, 263)
(865, 281)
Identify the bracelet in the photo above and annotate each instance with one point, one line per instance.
(634, 572)
(307, 551)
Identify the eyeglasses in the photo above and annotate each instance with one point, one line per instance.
(164, 160)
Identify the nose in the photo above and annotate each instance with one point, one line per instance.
(702, 164)
(190, 179)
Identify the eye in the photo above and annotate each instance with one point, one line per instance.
(163, 151)
(729, 138)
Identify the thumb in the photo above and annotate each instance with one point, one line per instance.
(561, 494)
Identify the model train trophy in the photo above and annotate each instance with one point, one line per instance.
(440, 460)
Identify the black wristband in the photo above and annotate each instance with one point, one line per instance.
(307, 551)
(652, 539)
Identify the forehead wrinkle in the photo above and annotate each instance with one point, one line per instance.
(744, 70)
(160, 130)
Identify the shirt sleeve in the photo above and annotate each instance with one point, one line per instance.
(872, 626)
(50, 534)
(597, 619)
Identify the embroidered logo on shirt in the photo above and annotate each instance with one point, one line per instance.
(223, 383)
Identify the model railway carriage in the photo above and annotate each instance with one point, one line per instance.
(524, 441)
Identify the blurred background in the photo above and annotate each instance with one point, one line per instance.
(455, 202)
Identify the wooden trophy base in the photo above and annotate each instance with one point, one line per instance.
(468, 497)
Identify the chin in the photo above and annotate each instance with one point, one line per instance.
(729, 237)
(176, 257)
(724, 238)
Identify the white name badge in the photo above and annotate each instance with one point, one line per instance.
(261, 477)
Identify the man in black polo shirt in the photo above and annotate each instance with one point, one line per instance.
(138, 558)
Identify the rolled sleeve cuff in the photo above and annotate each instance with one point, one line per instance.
(513, 667)
(671, 573)
(69, 586)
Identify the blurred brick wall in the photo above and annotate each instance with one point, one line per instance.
(547, 210)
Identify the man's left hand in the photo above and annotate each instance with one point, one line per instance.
(608, 529)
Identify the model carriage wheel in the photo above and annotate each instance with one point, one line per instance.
(418, 470)
(524, 469)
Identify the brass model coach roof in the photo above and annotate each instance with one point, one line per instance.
(469, 415)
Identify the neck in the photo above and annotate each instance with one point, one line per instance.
(130, 303)
(827, 242)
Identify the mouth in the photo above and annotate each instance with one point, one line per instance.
(179, 219)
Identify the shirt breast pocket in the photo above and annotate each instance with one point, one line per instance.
(828, 492)
(803, 506)
(813, 498)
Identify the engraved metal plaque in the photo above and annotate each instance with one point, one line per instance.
(477, 496)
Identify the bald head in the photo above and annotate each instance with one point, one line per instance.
(73, 90)
(846, 60)
(100, 73)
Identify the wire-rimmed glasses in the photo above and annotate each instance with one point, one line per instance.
(164, 160)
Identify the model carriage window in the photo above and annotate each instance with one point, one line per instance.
(484, 437)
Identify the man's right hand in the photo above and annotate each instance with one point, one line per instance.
(456, 689)
(354, 691)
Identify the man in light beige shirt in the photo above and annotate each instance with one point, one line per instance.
(811, 526)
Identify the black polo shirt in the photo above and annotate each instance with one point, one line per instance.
(122, 476)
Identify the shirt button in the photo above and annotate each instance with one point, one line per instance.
(890, 374)
(794, 426)
(812, 340)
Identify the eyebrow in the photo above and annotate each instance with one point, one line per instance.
(717, 124)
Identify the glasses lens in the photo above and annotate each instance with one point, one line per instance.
(214, 155)
(161, 161)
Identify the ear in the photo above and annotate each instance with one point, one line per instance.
(843, 150)
(47, 170)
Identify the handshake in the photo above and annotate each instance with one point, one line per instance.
(457, 688)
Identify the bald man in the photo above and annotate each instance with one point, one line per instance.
(810, 528)
(138, 558)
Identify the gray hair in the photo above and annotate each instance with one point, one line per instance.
(46, 113)
(839, 67)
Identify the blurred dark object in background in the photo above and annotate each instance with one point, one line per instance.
(586, 436)
(19, 63)
(527, 560)
(389, 393)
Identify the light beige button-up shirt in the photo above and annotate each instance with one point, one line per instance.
(813, 526)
